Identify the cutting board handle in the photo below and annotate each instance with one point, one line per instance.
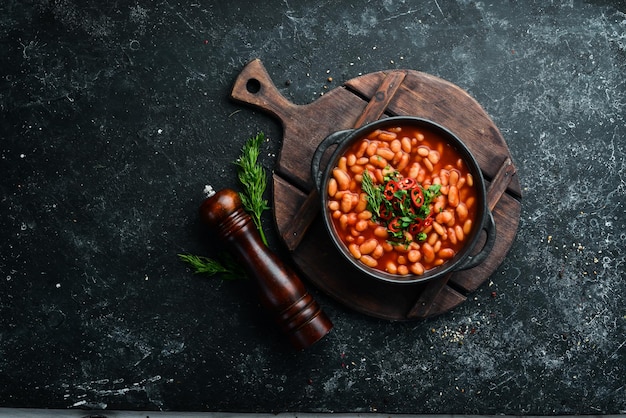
(255, 87)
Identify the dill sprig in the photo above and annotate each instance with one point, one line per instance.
(252, 177)
(375, 196)
(205, 265)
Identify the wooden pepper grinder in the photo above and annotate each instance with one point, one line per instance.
(281, 291)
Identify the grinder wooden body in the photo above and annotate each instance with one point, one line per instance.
(280, 289)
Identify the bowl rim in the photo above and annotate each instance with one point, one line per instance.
(479, 182)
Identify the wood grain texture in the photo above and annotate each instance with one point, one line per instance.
(360, 101)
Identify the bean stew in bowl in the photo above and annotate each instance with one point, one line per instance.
(404, 200)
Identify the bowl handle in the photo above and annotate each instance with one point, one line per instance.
(474, 260)
(332, 139)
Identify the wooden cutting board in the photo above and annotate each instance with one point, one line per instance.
(357, 102)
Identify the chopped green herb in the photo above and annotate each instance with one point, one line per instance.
(401, 205)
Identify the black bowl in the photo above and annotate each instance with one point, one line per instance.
(465, 257)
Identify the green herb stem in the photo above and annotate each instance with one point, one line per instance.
(204, 265)
(254, 182)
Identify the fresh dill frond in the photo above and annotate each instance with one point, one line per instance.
(375, 197)
(252, 177)
(205, 265)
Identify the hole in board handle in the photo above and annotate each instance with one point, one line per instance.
(253, 86)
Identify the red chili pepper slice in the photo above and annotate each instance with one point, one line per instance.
(395, 225)
(407, 183)
(415, 228)
(417, 196)
(390, 188)
(385, 212)
(428, 221)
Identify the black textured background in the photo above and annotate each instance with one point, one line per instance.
(115, 115)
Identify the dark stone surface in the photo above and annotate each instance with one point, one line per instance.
(115, 115)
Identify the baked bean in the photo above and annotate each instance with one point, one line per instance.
(357, 169)
(387, 136)
(343, 164)
(444, 217)
(432, 238)
(404, 161)
(460, 234)
(470, 179)
(438, 228)
(361, 225)
(417, 269)
(346, 203)
(371, 149)
(368, 246)
(351, 159)
(374, 135)
(395, 145)
(378, 161)
(369, 261)
(343, 221)
(402, 270)
(438, 262)
(445, 177)
(386, 153)
(378, 252)
(452, 236)
(354, 250)
(414, 256)
(433, 157)
(381, 232)
(406, 144)
(428, 252)
(333, 205)
(414, 170)
(462, 211)
(361, 150)
(361, 203)
(429, 165)
(365, 215)
(437, 246)
(332, 187)
(423, 151)
(454, 177)
(391, 268)
(453, 196)
(467, 226)
(342, 178)
(446, 253)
